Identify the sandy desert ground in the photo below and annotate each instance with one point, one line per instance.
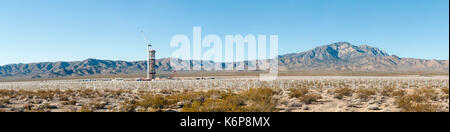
(232, 94)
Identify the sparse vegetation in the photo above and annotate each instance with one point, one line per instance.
(252, 100)
(421, 100)
(4, 101)
(388, 91)
(310, 98)
(230, 96)
(426, 93)
(342, 92)
(365, 94)
(398, 93)
(445, 93)
(415, 103)
(155, 101)
(298, 92)
(85, 108)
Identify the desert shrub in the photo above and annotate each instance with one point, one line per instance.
(127, 106)
(418, 101)
(28, 107)
(155, 101)
(96, 105)
(85, 108)
(445, 93)
(298, 92)
(166, 91)
(387, 91)
(415, 103)
(88, 93)
(44, 94)
(114, 92)
(259, 94)
(259, 100)
(262, 106)
(365, 94)
(398, 93)
(341, 92)
(69, 92)
(445, 90)
(426, 93)
(4, 101)
(64, 98)
(228, 104)
(6, 93)
(252, 100)
(70, 102)
(310, 98)
(211, 105)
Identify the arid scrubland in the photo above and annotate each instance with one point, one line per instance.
(328, 94)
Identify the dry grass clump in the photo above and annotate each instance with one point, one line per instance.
(398, 93)
(252, 100)
(365, 94)
(341, 92)
(6, 93)
(259, 94)
(70, 102)
(231, 103)
(445, 93)
(387, 91)
(298, 92)
(4, 101)
(155, 101)
(97, 105)
(259, 100)
(415, 103)
(127, 106)
(427, 93)
(419, 101)
(88, 93)
(304, 95)
(390, 91)
(310, 98)
(85, 108)
(150, 102)
(28, 107)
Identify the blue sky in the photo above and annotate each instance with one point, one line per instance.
(69, 30)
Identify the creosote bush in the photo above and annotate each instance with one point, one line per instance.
(85, 108)
(445, 93)
(127, 106)
(427, 93)
(298, 92)
(415, 103)
(418, 101)
(155, 101)
(341, 92)
(387, 91)
(310, 98)
(398, 93)
(365, 94)
(4, 101)
(252, 100)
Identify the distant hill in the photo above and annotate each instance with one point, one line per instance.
(342, 57)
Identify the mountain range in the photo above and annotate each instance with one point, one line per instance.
(341, 57)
